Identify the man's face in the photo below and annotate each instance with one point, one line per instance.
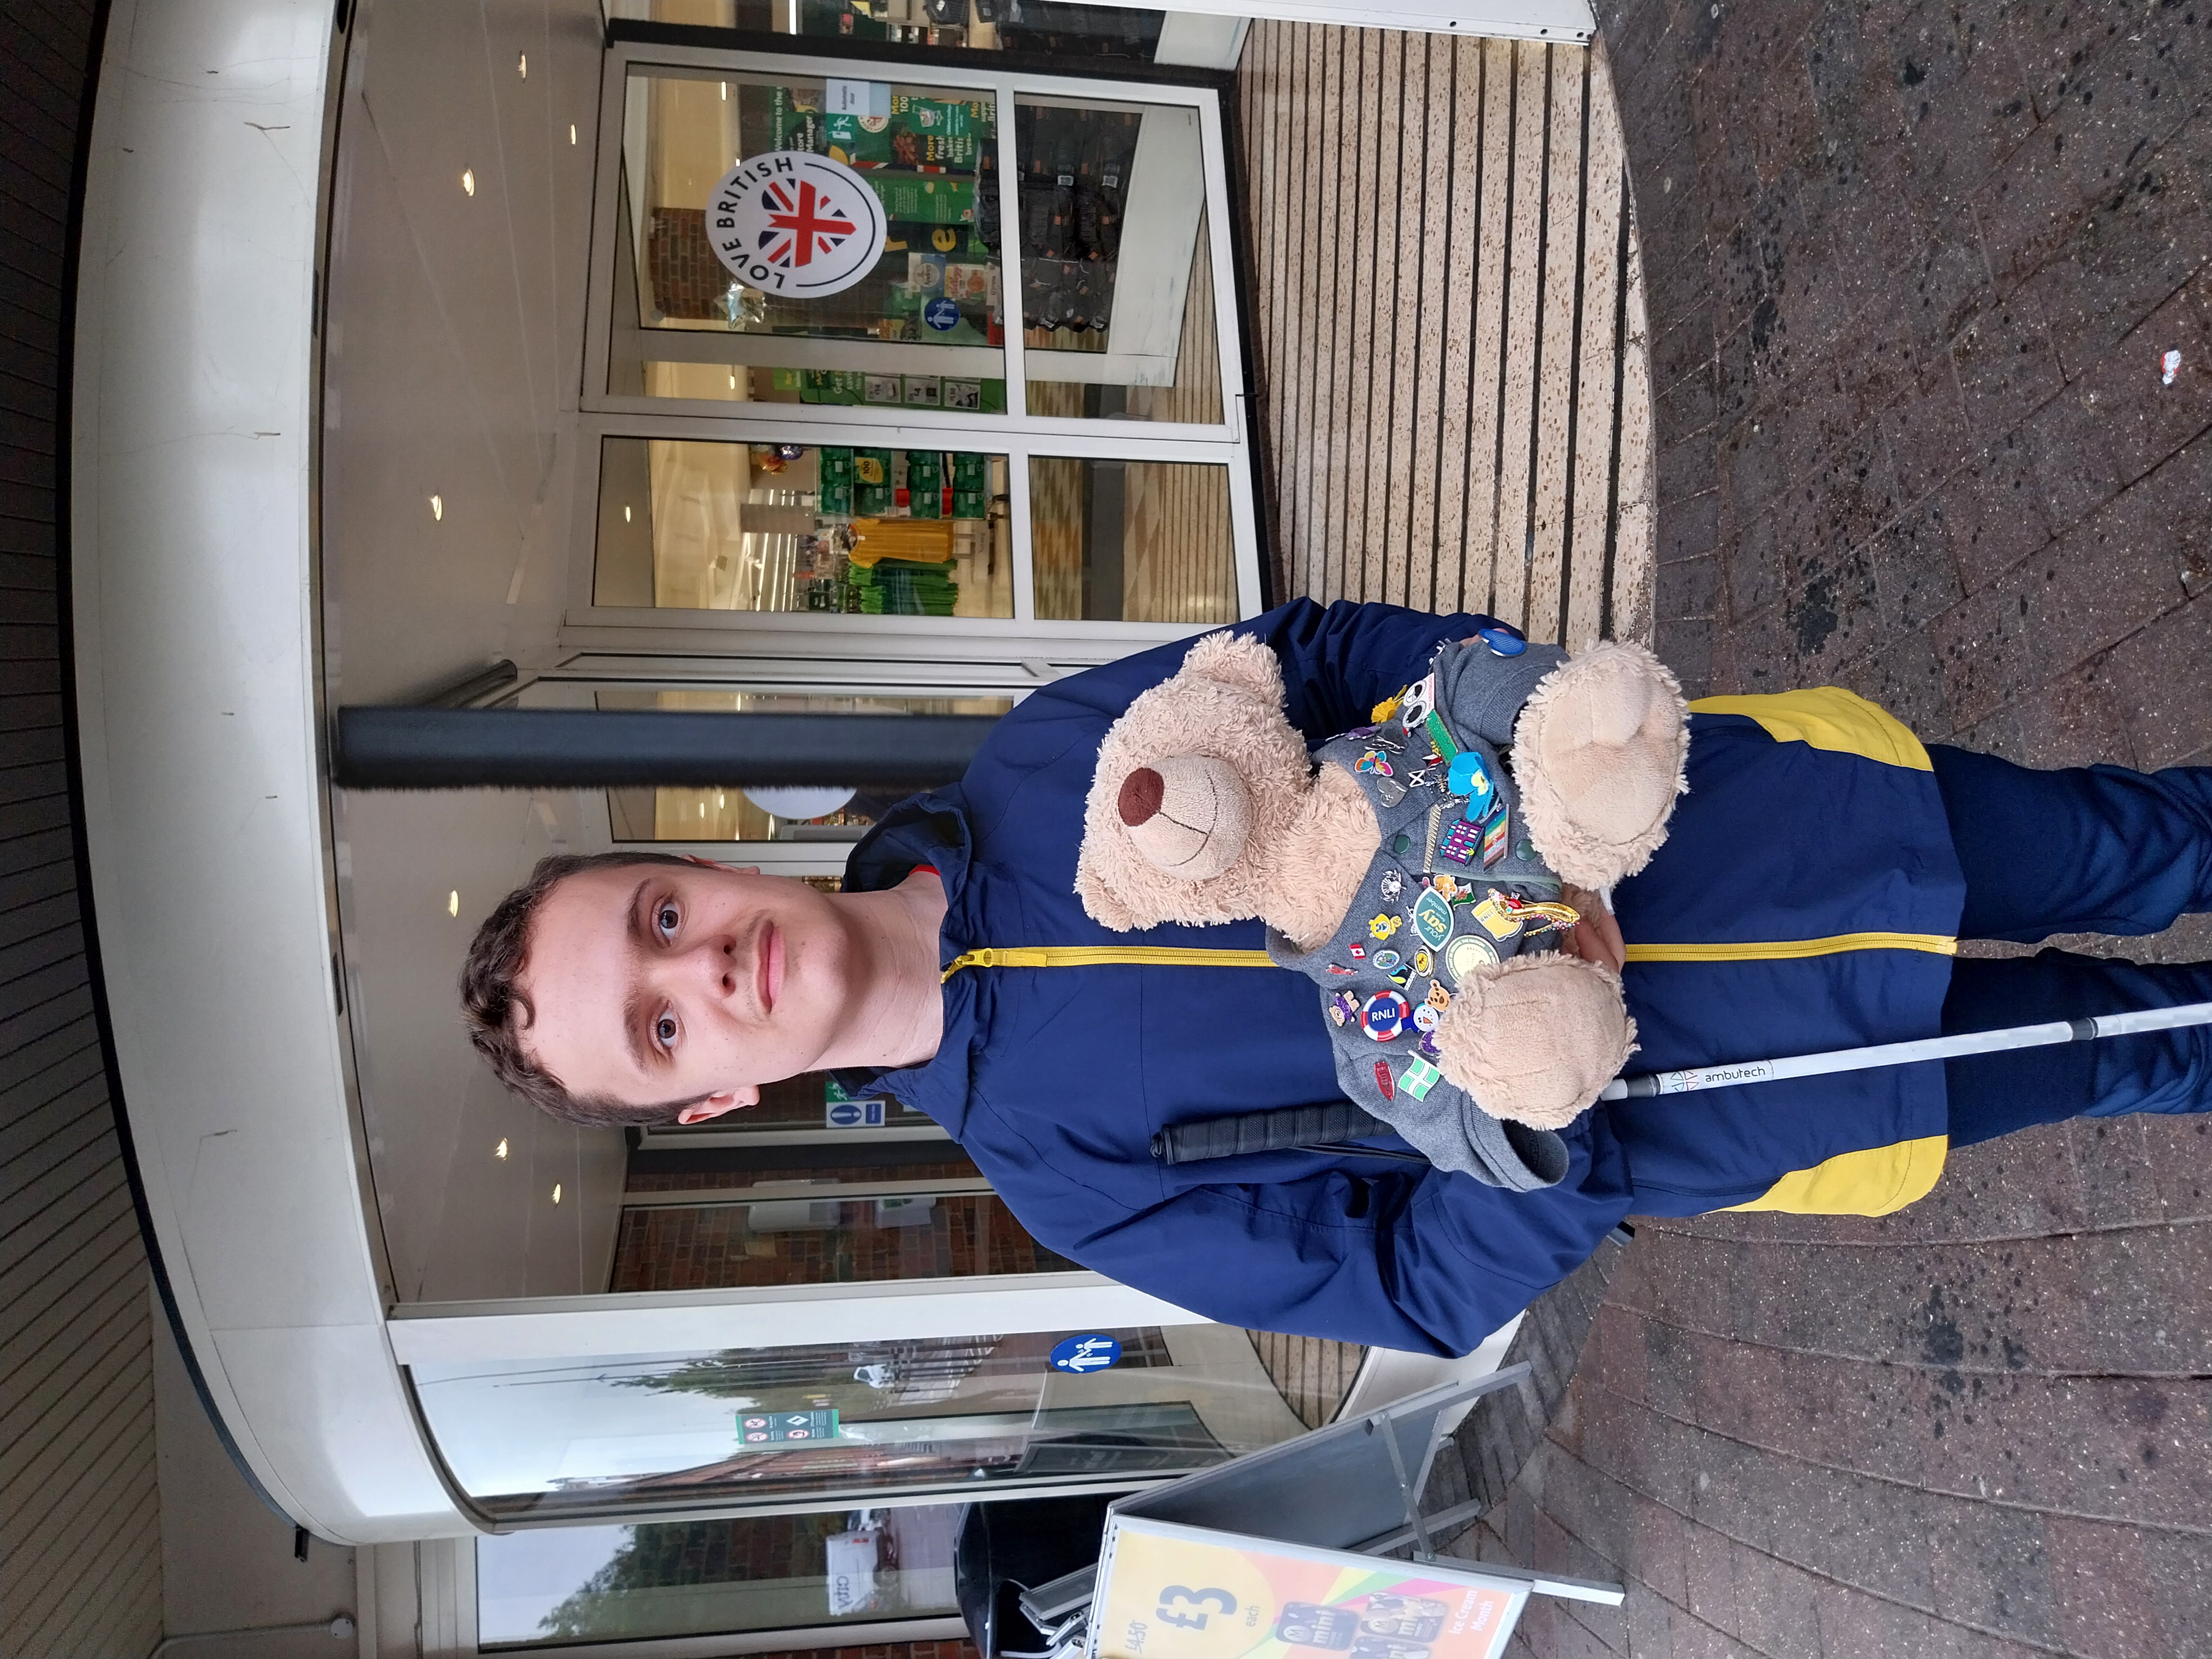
(661, 981)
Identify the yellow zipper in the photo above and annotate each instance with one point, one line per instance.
(1095, 956)
(1941, 945)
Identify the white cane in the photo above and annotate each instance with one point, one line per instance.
(1906, 1053)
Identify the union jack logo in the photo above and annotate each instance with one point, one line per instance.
(802, 222)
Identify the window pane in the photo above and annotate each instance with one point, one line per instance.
(1117, 263)
(559, 1438)
(1131, 541)
(556, 1584)
(921, 327)
(826, 1241)
(736, 526)
(733, 814)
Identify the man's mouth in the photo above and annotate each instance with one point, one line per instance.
(770, 976)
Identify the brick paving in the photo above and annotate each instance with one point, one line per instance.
(1913, 271)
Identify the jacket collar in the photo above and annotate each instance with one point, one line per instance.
(928, 828)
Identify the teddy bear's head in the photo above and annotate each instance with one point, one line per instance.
(1197, 784)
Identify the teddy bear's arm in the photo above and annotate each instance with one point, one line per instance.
(1479, 693)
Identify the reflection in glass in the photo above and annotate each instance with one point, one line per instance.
(922, 327)
(780, 527)
(603, 1583)
(731, 814)
(1117, 326)
(1131, 541)
(825, 1240)
(558, 1438)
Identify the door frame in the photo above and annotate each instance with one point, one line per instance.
(1016, 436)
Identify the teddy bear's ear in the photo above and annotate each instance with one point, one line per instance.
(1239, 661)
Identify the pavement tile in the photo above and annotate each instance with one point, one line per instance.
(2181, 1157)
(1651, 1620)
(1708, 1559)
(1915, 578)
(2149, 422)
(1686, 345)
(1752, 472)
(2162, 679)
(1992, 1570)
(2100, 582)
(2006, 363)
(2128, 1593)
(1965, 97)
(2027, 211)
(1686, 647)
(1948, 282)
(2073, 720)
(1904, 676)
(2139, 1285)
(2113, 1172)
(2132, 249)
(1688, 529)
(1996, 511)
(1927, 430)
(1983, 645)
(1776, 1604)
(1687, 469)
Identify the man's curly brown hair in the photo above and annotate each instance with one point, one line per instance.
(498, 1011)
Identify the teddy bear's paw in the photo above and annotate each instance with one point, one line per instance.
(1535, 1039)
(1187, 815)
(1598, 752)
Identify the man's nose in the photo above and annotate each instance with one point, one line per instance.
(711, 965)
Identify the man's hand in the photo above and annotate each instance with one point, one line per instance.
(1597, 937)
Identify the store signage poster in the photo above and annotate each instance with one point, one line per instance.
(1175, 1592)
(802, 226)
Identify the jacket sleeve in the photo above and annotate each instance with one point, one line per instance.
(1427, 1263)
(1340, 661)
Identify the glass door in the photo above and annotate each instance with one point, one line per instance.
(1022, 412)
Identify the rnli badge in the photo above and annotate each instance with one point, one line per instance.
(1386, 1016)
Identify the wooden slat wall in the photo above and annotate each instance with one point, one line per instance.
(1453, 375)
(80, 1518)
(1455, 382)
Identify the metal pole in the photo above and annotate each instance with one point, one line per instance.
(1906, 1053)
(416, 748)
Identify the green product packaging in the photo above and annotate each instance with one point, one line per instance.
(787, 379)
(925, 199)
(859, 141)
(971, 486)
(925, 484)
(833, 385)
(873, 493)
(994, 396)
(835, 482)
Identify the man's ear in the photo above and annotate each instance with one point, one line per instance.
(714, 1105)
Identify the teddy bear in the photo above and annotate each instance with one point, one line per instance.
(1420, 869)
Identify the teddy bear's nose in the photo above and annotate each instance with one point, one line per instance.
(1142, 791)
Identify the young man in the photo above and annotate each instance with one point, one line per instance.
(1810, 894)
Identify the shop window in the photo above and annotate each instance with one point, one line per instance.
(553, 1439)
(1131, 541)
(1116, 262)
(701, 526)
(575, 1584)
(923, 328)
(825, 1240)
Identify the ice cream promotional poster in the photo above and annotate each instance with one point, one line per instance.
(1175, 1592)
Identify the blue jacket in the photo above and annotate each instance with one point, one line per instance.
(1805, 899)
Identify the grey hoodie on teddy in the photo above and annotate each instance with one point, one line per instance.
(1447, 894)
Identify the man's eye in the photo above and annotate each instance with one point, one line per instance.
(666, 919)
(665, 1029)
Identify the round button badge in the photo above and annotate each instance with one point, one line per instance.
(1385, 1016)
(796, 224)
